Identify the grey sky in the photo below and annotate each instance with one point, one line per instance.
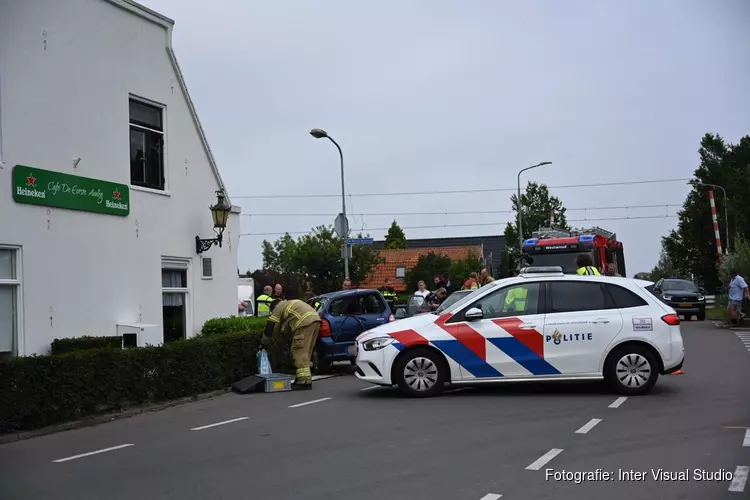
(436, 95)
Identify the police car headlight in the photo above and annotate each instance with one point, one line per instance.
(701, 298)
(666, 297)
(378, 343)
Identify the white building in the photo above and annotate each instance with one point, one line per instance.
(77, 77)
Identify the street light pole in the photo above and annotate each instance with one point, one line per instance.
(320, 134)
(726, 205)
(518, 202)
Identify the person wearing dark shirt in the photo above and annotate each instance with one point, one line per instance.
(434, 299)
(389, 294)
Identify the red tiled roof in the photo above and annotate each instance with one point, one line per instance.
(407, 258)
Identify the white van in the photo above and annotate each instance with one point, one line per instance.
(246, 294)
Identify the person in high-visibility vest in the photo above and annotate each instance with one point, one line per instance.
(389, 294)
(264, 301)
(302, 321)
(515, 300)
(586, 265)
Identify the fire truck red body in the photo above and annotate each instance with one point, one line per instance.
(553, 247)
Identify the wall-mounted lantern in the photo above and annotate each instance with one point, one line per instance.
(220, 214)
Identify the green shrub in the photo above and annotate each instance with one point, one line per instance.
(233, 324)
(37, 391)
(62, 346)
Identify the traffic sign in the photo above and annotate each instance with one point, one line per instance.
(341, 226)
(360, 241)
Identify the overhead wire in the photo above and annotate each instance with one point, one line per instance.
(458, 191)
(466, 212)
(437, 226)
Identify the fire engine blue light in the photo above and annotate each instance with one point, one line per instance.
(530, 242)
(585, 238)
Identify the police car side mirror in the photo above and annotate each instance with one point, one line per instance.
(473, 314)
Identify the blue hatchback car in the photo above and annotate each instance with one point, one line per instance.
(345, 314)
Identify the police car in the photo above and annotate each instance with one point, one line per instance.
(541, 325)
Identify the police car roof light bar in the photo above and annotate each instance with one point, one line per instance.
(542, 270)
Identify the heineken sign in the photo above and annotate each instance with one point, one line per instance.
(55, 189)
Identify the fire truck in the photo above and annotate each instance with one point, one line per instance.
(555, 247)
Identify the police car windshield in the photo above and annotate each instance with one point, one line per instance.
(453, 299)
(469, 297)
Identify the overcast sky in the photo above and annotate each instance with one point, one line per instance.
(436, 95)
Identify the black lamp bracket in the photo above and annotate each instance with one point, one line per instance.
(202, 245)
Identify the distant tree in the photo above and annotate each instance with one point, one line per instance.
(691, 247)
(427, 267)
(395, 237)
(316, 258)
(537, 210)
(663, 269)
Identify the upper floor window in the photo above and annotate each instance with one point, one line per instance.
(146, 145)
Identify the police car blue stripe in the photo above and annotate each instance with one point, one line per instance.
(523, 356)
(466, 358)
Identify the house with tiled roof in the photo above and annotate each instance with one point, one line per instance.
(397, 262)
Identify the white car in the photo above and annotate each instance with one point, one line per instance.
(568, 327)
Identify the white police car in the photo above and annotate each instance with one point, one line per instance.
(540, 325)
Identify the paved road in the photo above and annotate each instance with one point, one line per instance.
(472, 444)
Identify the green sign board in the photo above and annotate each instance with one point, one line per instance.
(55, 189)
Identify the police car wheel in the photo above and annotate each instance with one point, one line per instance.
(631, 370)
(420, 373)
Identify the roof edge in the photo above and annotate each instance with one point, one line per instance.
(196, 120)
(144, 12)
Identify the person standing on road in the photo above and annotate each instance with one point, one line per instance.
(586, 265)
(471, 283)
(302, 321)
(389, 294)
(264, 301)
(737, 292)
(278, 292)
(422, 291)
(347, 285)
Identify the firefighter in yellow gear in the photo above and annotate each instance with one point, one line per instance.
(302, 321)
(586, 266)
(264, 301)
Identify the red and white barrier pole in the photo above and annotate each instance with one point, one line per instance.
(715, 221)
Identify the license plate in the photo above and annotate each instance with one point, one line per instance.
(353, 351)
(687, 304)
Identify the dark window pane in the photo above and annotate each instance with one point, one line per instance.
(154, 163)
(624, 298)
(569, 296)
(137, 158)
(145, 115)
(373, 305)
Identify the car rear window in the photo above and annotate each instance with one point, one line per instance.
(571, 296)
(357, 304)
(622, 298)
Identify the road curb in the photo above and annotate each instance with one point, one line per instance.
(109, 417)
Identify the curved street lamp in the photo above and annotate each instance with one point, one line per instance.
(322, 134)
(520, 224)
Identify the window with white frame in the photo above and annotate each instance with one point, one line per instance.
(400, 273)
(9, 297)
(174, 287)
(146, 145)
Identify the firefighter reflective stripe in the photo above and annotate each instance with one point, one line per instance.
(304, 317)
(516, 297)
(589, 271)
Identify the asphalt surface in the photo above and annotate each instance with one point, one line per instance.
(471, 444)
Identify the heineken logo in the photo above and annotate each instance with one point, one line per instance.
(116, 204)
(34, 193)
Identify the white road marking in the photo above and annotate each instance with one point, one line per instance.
(369, 388)
(739, 479)
(105, 450)
(746, 441)
(491, 496)
(219, 423)
(309, 402)
(590, 425)
(542, 461)
(618, 402)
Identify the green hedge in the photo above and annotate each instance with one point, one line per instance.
(218, 326)
(37, 391)
(62, 346)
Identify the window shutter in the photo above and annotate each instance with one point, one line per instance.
(207, 266)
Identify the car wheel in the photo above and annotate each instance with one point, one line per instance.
(420, 373)
(631, 370)
(702, 315)
(319, 366)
